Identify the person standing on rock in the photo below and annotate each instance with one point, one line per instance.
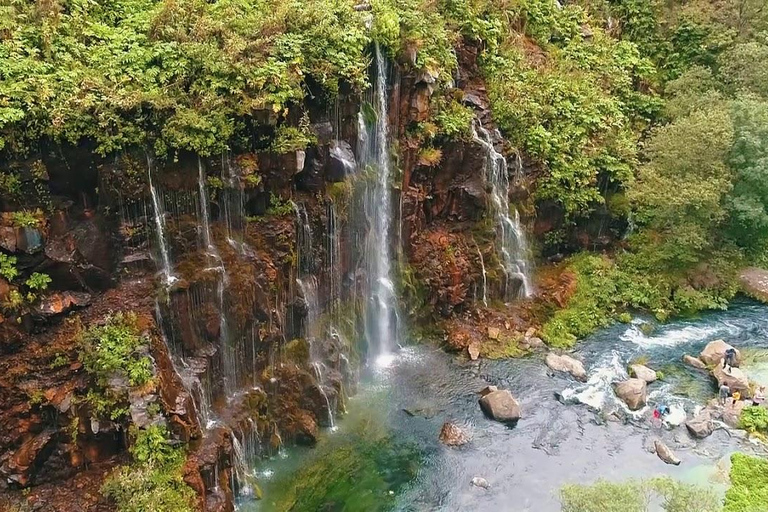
(729, 359)
(758, 398)
(725, 392)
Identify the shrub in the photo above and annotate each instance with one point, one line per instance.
(113, 348)
(754, 419)
(154, 481)
(749, 484)
(636, 496)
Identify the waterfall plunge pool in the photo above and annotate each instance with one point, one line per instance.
(385, 453)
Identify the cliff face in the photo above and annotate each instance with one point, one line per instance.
(243, 272)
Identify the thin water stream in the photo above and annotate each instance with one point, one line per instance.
(384, 458)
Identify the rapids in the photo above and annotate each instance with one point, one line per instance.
(385, 454)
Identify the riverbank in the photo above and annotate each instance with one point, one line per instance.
(384, 458)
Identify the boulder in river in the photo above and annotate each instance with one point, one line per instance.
(480, 482)
(452, 435)
(642, 372)
(632, 391)
(714, 352)
(734, 378)
(694, 361)
(487, 390)
(701, 425)
(665, 453)
(501, 406)
(566, 364)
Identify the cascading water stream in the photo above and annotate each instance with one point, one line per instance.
(485, 276)
(511, 242)
(229, 353)
(381, 312)
(162, 244)
(308, 285)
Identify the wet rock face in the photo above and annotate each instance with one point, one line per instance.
(632, 392)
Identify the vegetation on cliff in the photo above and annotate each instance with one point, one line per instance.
(154, 480)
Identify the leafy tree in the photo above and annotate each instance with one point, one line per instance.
(748, 204)
(680, 191)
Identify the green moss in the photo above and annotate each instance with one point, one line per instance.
(154, 481)
(365, 476)
(749, 484)
(503, 348)
(297, 351)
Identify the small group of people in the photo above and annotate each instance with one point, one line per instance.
(758, 397)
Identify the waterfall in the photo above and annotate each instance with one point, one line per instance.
(333, 267)
(165, 259)
(381, 315)
(232, 202)
(485, 277)
(307, 283)
(510, 240)
(228, 351)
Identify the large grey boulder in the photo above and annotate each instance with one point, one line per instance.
(701, 425)
(734, 378)
(665, 453)
(714, 353)
(501, 406)
(632, 391)
(694, 361)
(642, 372)
(566, 364)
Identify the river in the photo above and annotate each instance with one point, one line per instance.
(385, 454)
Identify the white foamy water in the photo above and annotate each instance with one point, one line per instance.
(598, 388)
(674, 337)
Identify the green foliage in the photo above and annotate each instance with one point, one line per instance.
(173, 74)
(8, 267)
(115, 349)
(749, 484)
(278, 206)
(154, 481)
(579, 113)
(589, 308)
(754, 419)
(289, 138)
(641, 279)
(415, 28)
(26, 218)
(636, 496)
(454, 120)
(748, 204)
